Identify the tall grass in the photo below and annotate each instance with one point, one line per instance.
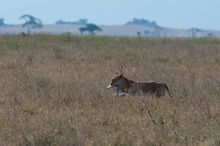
(53, 91)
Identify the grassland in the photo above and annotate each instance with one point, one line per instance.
(53, 91)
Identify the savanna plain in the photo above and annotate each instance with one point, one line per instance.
(53, 91)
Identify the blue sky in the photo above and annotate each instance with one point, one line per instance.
(203, 14)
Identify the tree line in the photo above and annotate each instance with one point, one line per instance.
(32, 22)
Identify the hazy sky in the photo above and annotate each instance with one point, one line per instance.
(203, 14)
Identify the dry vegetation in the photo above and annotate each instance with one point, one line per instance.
(53, 91)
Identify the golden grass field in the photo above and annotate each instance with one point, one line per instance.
(53, 91)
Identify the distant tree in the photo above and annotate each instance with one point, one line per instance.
(143, 22)
(63, 22)
(82, 30)
(2, 22)
(80, 22)
(193, 31)
(91, 28)
(139, 33)
(31, 22)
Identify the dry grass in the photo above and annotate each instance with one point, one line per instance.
(52, 91)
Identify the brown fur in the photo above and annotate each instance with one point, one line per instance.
(131, 87)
